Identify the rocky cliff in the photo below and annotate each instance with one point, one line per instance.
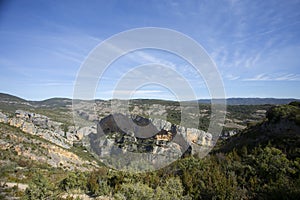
(17, 146)
(44, 127)
(134, 137)
(46, 141)
(39, 125)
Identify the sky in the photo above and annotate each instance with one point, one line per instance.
(254, 44)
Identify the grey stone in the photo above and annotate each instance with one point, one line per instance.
(3, 118)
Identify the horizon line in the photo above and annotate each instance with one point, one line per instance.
(109, 99)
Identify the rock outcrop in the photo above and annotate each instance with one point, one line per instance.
(132, 136)
(39, 125)
(26, 147)
(3, 118)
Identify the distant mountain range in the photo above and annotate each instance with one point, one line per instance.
(66, 101)
(252, 101)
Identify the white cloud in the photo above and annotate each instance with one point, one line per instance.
(51, 83)
(274, 77)
(70, 55)
(142, 57)
(129, 94)
(137, 92)
(232, 77)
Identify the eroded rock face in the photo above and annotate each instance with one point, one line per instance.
(17, 122)
(3, 118)
(121, 135)
(161, 124)
(40, 125)
(135, 126)
(29, 128)
(42, 151)
(84, 131)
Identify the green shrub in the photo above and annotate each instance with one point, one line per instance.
(135, 191)
(97, 182)
(39, 188)
(75, 180)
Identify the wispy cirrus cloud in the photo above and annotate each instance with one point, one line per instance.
(124, 94)
(137, 92)
(274, 77)
(143, 57)
(232, 77)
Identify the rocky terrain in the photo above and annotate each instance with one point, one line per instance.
(43, 133)
(41, 137)
(43, 149)
(52, 120)
(44, 127)
(85, 112)
(122, 136)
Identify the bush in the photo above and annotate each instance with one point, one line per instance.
(136, 191)
(97, 183)
(39, 188)
(171, 189)
(75, 180)
(290, 112)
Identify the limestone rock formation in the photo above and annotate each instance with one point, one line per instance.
(133, 136)
(84, 131)
(25, 146)
(3, 118)
(40, 125)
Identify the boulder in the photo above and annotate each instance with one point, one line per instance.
(29, 128)
(3, 118)
(17, 122)
(84, 131)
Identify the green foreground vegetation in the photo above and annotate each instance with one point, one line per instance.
(264, 173)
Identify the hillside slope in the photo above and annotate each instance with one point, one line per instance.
(280, 129)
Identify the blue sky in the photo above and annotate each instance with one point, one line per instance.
(255, 44)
